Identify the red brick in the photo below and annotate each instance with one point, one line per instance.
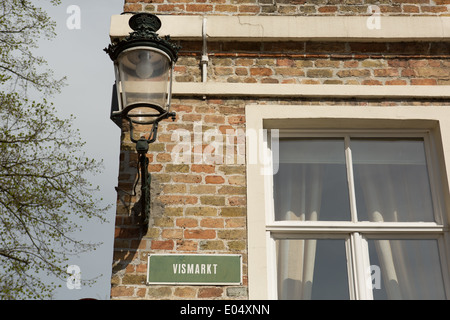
(155, 167)
(261, 71)
(371, 82)
(225, 8)
(351, 64)
(434, 63)
(237, 201)
(162, 245)
(213, 292)
(186, 222)
(121, 291)
(395, 82)
(203, 168)
(417, 63)
(181, 108)
(249, 9)
(391, 72)
(427, 82)
(411, 9)
(132, 7)
(214, 119)
(434, 9)
(397, 63)
(408, 72)
(199, 8)
(190, 117)
(187, 245)
(212, 223)
(285, 62)
(199, 234)
(214, 179)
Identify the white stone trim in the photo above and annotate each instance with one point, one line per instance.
(306, 90)
(436, 119)
(295, 28)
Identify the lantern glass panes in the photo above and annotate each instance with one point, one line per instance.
(144, 76)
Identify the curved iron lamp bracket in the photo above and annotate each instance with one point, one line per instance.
(144, 27)
(142, 146)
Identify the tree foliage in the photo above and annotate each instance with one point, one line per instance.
(43, 184)
(22, 25)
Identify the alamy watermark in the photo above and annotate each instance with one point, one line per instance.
(373, 277)
(213, 146)
(73, 281)
(73, 21)
(374, 21)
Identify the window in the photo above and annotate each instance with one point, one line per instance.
(336, 200)
(358, 211)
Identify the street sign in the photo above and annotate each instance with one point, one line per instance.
(195, 269)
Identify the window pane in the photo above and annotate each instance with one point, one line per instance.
(312, 269)
(406, 269)
(391, 180)
(311, 182)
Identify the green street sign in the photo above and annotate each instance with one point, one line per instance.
(195, 269)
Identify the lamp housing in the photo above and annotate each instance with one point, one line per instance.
(143, 63)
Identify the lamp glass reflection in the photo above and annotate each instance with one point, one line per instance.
(144, 74)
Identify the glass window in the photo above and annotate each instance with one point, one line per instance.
(355, 189)
(311, 181)
(312, 269)
(408, 269)
(391, 179)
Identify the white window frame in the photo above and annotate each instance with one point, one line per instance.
(353, 232)
(432, 123)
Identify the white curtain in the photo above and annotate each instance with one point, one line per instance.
(394, 187)
(380, 207)
(300, 201)
(298, 195)
(391, 185)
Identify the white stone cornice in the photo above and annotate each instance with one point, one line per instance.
(310, 91)
(295, 28)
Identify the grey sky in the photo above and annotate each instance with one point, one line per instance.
(78, 54)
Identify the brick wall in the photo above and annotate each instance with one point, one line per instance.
(421, 63)
(289, 7)
(200, 206)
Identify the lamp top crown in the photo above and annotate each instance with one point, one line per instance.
(144, 27)
(147, 21)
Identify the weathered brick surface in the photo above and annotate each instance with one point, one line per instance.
(291, 7)
(425, 63)
(199, 205)
(215, 223)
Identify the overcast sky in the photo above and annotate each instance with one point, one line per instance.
(77, 52)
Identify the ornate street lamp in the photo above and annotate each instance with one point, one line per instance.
(143, 63)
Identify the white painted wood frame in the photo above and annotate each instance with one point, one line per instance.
(433, 122)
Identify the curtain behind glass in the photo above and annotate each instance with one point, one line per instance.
(391, 180)
(312, 269)
(311, 182)
(410, 269)
(392, 185)
(310, 185)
